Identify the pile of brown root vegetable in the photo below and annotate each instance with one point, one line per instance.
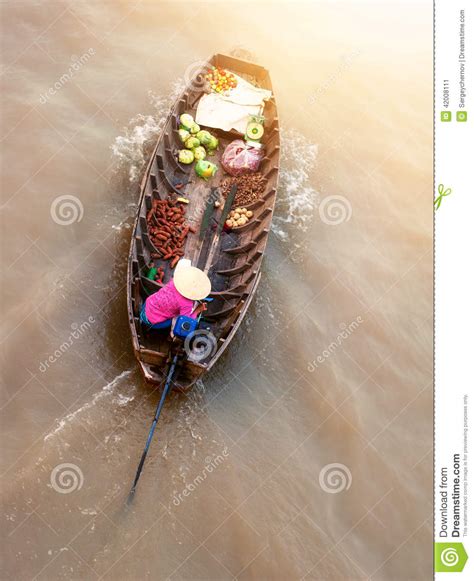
(238, 217)
(168, 230)
(250, 188)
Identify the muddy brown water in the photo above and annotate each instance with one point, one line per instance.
(307, 452)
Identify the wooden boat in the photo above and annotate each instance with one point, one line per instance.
(235, 269)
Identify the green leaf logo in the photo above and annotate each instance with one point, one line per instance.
(449, 557)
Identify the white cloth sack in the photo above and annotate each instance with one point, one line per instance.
(232, 111)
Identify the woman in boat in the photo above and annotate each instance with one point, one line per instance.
(180, 296)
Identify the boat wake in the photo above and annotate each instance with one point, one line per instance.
(130, 149)
(107, 390)
(296, 197)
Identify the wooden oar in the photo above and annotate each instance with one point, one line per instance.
(208, 211)
(215, 242)
(169, 379)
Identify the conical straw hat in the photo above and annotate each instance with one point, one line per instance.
(191, 282)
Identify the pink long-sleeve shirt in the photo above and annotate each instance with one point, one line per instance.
(166, 304)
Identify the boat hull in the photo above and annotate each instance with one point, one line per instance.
(234, 269)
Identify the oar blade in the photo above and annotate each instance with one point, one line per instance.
(208, 212)
(227, 206)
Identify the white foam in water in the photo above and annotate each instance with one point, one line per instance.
(123, 400)
(121, 225)
(106, 390)
(130, 148)
(296, 197)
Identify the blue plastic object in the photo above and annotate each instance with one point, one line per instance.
(184, 326)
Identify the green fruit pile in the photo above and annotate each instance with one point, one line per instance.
(198, 143)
